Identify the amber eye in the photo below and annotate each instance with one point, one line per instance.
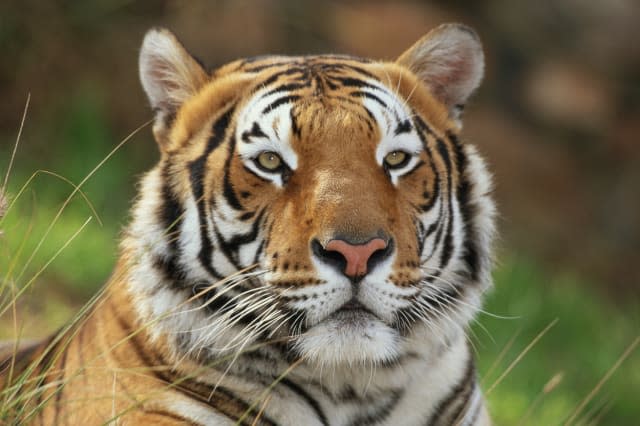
(269, 161)
(396, 159)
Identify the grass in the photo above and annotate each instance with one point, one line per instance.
(574, 371)
(590, 335)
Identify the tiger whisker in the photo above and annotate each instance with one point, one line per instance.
(229, 302)
(457, 290)
(473, 307)
(222, 325)
(439, 297)
(209, 301)
(264, 324)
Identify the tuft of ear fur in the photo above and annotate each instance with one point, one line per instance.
(169, 76)
(449, 59)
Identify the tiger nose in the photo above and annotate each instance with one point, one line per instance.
(357, 256)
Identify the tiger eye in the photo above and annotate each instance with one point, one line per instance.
(269, 161)
(396, 159)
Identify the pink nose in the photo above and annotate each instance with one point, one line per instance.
(356, 256)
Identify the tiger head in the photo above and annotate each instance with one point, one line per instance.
(324, 200)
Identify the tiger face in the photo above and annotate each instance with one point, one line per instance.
(323, 201)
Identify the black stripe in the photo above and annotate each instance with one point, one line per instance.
(309, 400)
(280, 101)
(347, 67)
(444, 153)
(422, 128)
(260, 250)
(447, 248)
(354, 82)
(369, 96)
(439, 232)
(380, 413)
(286, 88)
(255, 132)
(170, 215)
(241, 239)
(196, 175)
(461, 389)
(467, 210)
(227, 188)
(246, 216)
(295, 128)
(436, 193)
(171, 270)
(403, 127)
(372, 118)
(421, 235)
(231, 247)
(276, 76)
(211, 299)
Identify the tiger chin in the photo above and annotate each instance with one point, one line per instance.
(309, 250)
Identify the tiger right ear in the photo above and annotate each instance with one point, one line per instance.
(449, 59)
(169, 76)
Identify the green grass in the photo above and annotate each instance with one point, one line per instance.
(591, 333)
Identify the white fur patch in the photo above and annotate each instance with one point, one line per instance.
(275, 124)
(348, 338)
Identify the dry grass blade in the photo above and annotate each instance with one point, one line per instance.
(261, 412)
(602, 410)
(4, 203)
(15, 149)
(552, 384)
(602, 381)
(501, 356)
(521, 355)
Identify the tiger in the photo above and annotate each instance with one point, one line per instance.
(309, 249)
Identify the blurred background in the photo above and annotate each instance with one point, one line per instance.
(557, 117)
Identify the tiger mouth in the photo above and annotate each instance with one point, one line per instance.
(353, 305)
(352, 310)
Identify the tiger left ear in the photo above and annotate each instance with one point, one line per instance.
(449, 59)
(169, 76)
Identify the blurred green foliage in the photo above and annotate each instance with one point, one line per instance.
(80, 138)
(591, 333)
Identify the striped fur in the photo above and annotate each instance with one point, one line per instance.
(226, 305)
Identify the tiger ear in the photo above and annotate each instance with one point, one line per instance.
(169, 76)
(449, 59)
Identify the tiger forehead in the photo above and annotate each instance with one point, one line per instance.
(327, 93)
